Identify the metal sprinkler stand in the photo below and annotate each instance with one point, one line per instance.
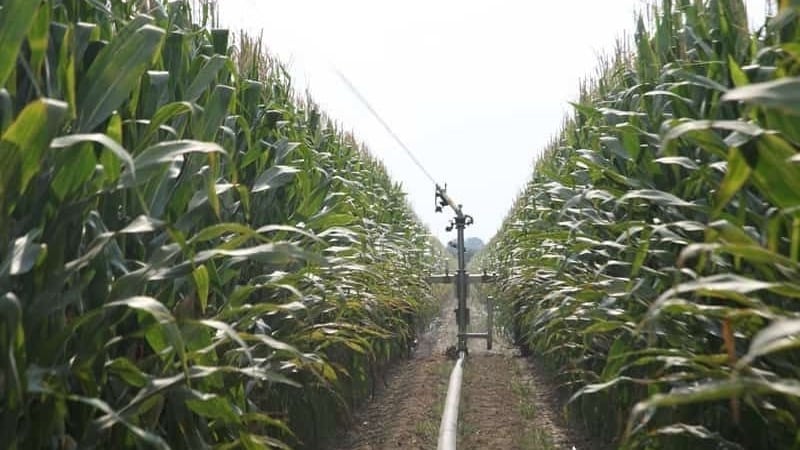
(448, 429)
(462, 279)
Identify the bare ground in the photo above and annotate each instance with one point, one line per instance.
(506, 401)
(406, 413)
(508, 405)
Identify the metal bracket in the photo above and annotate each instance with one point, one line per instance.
(488, 335)
(471, 278)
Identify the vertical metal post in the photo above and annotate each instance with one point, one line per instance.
(461, 284)
(461, 279)
(489, 321)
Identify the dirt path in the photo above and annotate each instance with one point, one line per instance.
(505, 403)
(406, 413)
(506, 406)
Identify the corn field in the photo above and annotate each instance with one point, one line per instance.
(652, 259)
(190, 256)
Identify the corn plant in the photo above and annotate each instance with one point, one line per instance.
(652, 259)
(190, 255)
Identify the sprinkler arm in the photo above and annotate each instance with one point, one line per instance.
(443, 199)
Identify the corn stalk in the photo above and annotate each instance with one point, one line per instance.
(652, 259)
(189, 255)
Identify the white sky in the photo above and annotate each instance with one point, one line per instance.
(474, 87)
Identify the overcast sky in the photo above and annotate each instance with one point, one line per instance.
(474, 88)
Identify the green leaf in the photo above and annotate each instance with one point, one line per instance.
(150, 161)
(642, 252)
(719, 390)
(777, 180)
(228, 331)
(784, 332)
(11, 320)
(731, 233)
(206, 75)
(6, 110)
(274, 177)
(164, 114)
(288, 229)
(24, 143)
(276, 253)
(752, 253)
(113, 417)
(214, 113)
(74, 171)
(213, 407)
(142, 224)
(698, 432)
(38, 37)
(125, 369)
(670, 94)
(283, 148)
(221, 229)
(95, 248)
(271, 342)
(678, 160)
(23, 255)
(202, 282)
(736, 176)
(681, 129)
(165, 320)
(154, 92)
(738, 76)
(114, 74)
(656, 196)
(699, 80)
(724, 282)
(148, 305)
(782, 94)
(16, 18)
(588, 110)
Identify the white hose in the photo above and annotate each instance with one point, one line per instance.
(448, 429)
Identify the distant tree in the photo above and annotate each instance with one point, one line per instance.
(472, 246)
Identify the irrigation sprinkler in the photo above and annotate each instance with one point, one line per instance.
(462, 279)
(448, 429)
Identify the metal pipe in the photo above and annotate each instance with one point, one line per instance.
(461, 289)
(475, 335)
(448, 429)
(489, 321)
